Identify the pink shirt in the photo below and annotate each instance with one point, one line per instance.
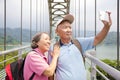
(35, 62)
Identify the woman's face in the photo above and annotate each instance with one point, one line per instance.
(44, 43)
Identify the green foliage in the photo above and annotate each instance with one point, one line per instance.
(1, 48)
(5, 57)
(8, 56)
(109, 62)
(9, 40)
(1, 40)
(1, 59)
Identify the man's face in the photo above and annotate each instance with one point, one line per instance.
(64, 30)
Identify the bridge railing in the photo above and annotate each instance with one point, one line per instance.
(108, 69)
(93, 61)
(20, 51)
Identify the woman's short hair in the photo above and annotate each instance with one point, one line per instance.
(36, 39)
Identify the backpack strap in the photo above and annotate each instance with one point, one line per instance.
(78, 45)
(32, 76)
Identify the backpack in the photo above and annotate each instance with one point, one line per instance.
(14, 70)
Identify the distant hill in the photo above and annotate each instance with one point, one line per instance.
(13, 36)
(111, 38)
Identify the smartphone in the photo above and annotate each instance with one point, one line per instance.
(103, 15)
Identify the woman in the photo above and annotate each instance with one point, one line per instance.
(36, 61)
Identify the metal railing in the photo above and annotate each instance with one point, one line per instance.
(93, 61)
(108, 69)
(20, 51)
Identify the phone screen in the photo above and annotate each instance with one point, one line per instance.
(103, 15)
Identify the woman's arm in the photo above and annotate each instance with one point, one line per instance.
(51, 69)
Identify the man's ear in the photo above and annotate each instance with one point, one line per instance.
(56, 31)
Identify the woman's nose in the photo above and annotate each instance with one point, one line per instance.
(49, 41)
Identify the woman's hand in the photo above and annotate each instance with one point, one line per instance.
(55, 54)
(56, 50)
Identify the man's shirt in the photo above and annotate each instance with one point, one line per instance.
(70, 64)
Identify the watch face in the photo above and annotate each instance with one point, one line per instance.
(103, 15)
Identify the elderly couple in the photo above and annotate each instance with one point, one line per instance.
(64, 60)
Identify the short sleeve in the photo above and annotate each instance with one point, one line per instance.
(38, 64)
(86, 43)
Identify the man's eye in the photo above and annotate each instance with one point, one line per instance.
(64, 26)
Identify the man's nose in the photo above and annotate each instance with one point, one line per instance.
(69, 29)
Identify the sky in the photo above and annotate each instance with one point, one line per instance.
(13, 16)
(102, 5)
(13, 13)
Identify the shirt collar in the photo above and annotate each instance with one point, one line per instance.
(61, 44)
(38, 51)
(41, 54)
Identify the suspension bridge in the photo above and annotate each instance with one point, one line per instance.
(21, 19)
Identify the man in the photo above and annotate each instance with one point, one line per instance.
(70, 64)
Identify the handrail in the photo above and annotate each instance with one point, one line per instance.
(101, 74)
(18, 49)
(110, 70)
(14, 49)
